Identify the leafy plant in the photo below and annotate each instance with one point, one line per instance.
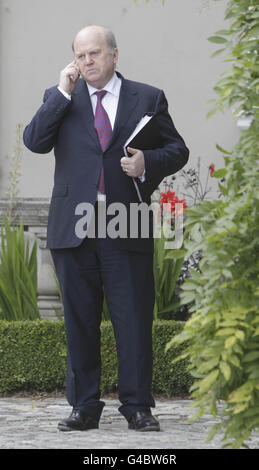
(167, 263)
(223, 332)
(166, 275)
(170, 265)
(14, 173)
(18, 275)
(239, 86)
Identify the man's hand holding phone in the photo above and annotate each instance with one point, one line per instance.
(68, 77)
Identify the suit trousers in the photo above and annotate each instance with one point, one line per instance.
(85, 272)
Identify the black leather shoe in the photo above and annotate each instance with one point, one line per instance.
(78, 421)
(143, 421)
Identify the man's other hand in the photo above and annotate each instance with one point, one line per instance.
(68, 77)
(133, 166)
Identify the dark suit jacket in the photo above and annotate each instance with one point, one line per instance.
(68, 126)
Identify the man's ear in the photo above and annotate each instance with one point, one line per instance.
(115, 55)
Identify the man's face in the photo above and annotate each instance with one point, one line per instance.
(95, 59)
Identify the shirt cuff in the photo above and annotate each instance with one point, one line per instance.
(142, 178)
(64, 93)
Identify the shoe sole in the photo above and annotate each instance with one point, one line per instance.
(146, 428)
(68, 429)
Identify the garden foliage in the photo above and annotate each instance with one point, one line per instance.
(33, 357)
(167, 270)
(18, 275)
(223, 332)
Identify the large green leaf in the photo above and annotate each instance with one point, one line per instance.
(217, 39)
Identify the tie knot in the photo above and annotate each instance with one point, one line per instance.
(100, 94)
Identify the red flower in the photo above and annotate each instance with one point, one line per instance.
(170, 198)
(212, 169)
(183, 202)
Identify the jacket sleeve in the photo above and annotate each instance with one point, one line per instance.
(173, 154)
(40, 134)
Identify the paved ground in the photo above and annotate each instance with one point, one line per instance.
(31, 423)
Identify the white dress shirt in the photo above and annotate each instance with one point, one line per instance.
(110, 100)
(110, 103)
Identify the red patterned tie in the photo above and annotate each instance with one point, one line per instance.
(104, 130)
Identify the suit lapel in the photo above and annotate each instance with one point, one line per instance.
(127, 103)
(83, 103)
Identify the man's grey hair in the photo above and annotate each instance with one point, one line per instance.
(109, 35)
(110, 38)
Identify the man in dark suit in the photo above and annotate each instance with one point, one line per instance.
(87, 119)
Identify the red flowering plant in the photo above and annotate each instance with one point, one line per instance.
(167, 271)
(212, 169)
(170, 198)
(170, 202)
(170, 265)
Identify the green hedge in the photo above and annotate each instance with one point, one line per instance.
(33, 357)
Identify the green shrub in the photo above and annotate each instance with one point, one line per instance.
(169, 378)
(223, 332)
(33, 357)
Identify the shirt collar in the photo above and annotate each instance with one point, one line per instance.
(113, 86)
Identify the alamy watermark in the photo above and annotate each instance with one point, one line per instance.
(136, 218)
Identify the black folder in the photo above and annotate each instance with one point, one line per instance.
(148, 137)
